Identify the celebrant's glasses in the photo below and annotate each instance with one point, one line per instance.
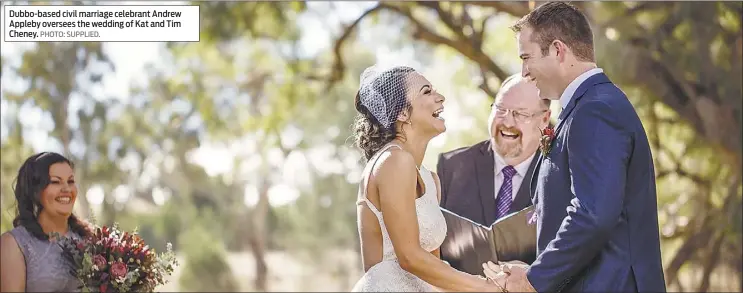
(519, 116)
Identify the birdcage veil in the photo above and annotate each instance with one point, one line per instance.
(383, 91)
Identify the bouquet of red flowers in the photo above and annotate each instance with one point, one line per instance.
(112, 261)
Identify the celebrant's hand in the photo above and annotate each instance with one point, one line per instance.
(511, 276)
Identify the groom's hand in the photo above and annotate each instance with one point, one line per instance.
(511, 276)
(495, 276)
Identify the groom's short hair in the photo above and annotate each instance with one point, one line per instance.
(559, 21)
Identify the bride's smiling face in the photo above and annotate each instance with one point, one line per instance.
(426, 104)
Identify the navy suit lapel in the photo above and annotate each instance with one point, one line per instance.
(590, 82)
(532, 182)
(484, 166)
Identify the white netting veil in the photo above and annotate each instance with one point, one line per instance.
(383, 92)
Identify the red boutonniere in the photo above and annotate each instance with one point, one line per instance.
(545, 143)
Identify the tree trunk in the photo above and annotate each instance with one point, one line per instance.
(258, 237)
(108, 209)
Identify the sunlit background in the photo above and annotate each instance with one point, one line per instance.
(238, 149)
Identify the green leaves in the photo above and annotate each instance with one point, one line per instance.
(248, 19)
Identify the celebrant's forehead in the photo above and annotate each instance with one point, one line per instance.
(519, 94)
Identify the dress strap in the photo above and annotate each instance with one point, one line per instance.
(374, 159)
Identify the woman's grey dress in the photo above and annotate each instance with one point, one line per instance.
(46, 269)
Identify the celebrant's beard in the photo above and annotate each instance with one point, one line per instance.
(508, 148)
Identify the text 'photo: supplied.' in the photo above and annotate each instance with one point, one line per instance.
(101, 23)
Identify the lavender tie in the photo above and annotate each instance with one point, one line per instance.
(503, 204)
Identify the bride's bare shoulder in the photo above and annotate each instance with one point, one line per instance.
(393, 161)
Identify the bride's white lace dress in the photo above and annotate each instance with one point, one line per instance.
(387, 275)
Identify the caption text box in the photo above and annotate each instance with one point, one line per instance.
(101, 23)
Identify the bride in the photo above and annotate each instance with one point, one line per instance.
(399, 221)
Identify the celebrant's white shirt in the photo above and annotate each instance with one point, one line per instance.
(517, 178)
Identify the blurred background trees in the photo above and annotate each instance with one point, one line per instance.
(238, 148)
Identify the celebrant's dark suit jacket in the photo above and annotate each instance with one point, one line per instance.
(595, 199)
(468, 187)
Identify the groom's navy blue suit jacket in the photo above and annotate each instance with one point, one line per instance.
(595, 199)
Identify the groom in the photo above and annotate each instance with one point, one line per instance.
(597, 219)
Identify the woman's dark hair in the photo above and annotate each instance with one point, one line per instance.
(33, 177)
(370, 134)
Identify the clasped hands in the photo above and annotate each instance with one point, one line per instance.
(509, 276)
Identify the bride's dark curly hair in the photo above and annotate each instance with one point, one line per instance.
(33, 177)
(370, 134)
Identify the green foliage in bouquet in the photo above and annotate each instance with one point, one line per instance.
(114, 261)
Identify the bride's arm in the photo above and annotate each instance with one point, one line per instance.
(437, 253)
(396, 183)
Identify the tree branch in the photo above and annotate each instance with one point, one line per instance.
(466, 21)
(706, 106)
(686, 251)
(458, 25)
(480, 35)
(700, 238)
(484, 86)
(710, 262)
(517, 9)
(339, 66)
(423, 33)
(669, 89)
(727, 210)
(468, 47)
(631, 12)
(448, 19)
(698, 180)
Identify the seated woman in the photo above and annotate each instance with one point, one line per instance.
(45, 194)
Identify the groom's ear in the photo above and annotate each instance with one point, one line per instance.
(561, 49)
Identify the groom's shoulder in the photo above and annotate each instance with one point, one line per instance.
(607, 92)
(608, 97)
(464, 152)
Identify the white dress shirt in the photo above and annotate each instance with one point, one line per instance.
(569, 91)
(517, 178)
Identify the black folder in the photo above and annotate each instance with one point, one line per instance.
(468, 244)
